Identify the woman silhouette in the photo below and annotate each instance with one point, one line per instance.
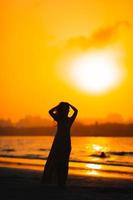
(56, 167)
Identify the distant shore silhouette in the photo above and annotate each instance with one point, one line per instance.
(78, 129)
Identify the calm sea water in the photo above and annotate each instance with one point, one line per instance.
(85, 156)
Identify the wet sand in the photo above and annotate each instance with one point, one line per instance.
(26, 184)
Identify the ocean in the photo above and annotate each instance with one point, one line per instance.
(90, 156)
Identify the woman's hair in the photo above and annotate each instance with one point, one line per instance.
(62, 109)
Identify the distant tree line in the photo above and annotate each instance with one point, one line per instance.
(106, 129)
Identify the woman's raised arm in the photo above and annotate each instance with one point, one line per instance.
(52, 112)
(75, 112)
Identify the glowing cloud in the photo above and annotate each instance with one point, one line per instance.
(99, 38)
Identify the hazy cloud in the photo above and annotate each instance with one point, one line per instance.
(99, 38)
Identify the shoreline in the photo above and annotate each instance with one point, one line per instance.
(26, 183)
(85, 180)
(95, 169)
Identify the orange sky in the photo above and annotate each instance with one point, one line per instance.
(36, 36)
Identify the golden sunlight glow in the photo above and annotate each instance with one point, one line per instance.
(84, 57)
(96, 71)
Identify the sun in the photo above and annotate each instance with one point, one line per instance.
(95, 72)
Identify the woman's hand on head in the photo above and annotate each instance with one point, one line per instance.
(63, 102)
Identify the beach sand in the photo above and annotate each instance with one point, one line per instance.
(17, 183)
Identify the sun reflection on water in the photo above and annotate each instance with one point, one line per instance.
(93, 166)
(97, 147)
(93, 172)
(93, 169)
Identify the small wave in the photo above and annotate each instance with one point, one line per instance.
(108, 154)
(42, 149)
(28, 156)
(34, 156)
(102, 155)
(8, 150)
(122, 153)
